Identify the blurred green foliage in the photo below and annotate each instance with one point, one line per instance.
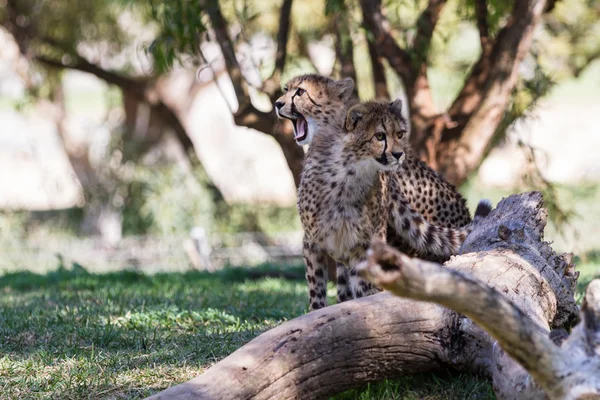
(103, 29)
(155, 200)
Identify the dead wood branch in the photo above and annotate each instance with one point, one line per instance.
(510, 282)
(327, 351)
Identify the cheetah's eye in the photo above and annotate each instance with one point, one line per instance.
(285, 89)
(380, 136)
(300, 91)
(401, 134)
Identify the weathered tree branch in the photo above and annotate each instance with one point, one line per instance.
(527, 342)
(327, 351)
(507, 279)
(568, 372)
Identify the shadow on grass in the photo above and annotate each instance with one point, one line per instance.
(128, 335)
(101, 329)
(447, 384)
(26, 280)
(73, 334)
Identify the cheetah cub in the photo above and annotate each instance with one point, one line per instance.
(308, 98)
(343, 196)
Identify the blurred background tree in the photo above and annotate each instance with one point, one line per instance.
(461, 98)
(119, 150)
(525, 48)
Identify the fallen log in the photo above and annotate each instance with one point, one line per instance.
(507, 280)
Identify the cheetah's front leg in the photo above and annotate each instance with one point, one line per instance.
(316, 275)
(344, 288)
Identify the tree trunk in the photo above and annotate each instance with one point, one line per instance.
(479, 108)
(507, 280)
(455, 142)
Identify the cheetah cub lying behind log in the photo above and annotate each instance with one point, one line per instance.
(343, 197)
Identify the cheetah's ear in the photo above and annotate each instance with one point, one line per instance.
(344, 88)
(396, 107)
(353, 115)
(397, 104)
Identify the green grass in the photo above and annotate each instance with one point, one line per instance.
(72, 334)
(446, 385)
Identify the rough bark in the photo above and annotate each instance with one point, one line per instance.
(314, 356)
(507, 280)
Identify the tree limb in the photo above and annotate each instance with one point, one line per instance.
(508, 47)
(480, 105)
(528, 289)
(425, 26)
(570, 371)
(247, 114)
(81, 64)
(272, 86)
(385, 43)
(412, 69)
(525, 341)
(328, 351)
(482, 24)
(220, 27)
(137, 87)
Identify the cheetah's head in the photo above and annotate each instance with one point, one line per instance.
(312, 101)
(377, 132)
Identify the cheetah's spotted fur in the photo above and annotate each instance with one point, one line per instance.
(342, 201)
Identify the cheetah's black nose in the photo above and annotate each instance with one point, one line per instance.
(278, 104)
(397, 155)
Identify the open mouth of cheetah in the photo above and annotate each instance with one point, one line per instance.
(300, 126)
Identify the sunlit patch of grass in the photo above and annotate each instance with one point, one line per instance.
(71, 334)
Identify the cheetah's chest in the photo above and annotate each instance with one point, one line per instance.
(348, 230)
